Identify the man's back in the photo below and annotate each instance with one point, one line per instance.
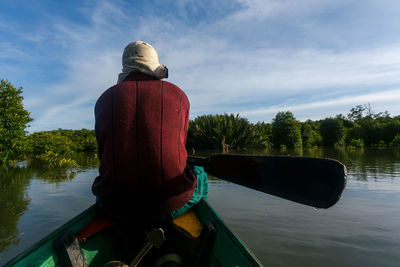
(141, 126)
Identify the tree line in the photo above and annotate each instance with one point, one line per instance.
(361, 127)
(55, 148)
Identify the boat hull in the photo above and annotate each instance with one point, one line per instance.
(226, 248)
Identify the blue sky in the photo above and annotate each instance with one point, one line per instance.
(315, 58)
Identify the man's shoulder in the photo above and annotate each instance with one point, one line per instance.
(172, 87)
(106, 93)
(166, 84)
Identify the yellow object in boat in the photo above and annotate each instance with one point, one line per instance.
(189, 222)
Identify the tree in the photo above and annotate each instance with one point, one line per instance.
(286, 130)
(52, 148)
(356, 113)
(222, 131)
(13, 121)
(353, 133)
(264, 131)
(332, 131)
(310, 134)
(390, 130)
(396, 140)
(371, 131)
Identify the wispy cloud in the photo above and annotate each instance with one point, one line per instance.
(249, 57)
(341, 103)
(280, 76)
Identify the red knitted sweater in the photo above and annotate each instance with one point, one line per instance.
(141, 128)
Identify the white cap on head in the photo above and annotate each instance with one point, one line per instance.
(141, 56)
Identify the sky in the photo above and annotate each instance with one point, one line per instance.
(314, 58)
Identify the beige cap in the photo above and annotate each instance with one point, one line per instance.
(141, 56)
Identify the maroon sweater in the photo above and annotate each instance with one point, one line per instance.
(141, 128)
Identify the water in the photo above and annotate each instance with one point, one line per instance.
(362, 229)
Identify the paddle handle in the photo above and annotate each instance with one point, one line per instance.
(197, 161)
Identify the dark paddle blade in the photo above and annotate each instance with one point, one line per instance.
(316, 182)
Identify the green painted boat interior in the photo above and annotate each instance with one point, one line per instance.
(111, 244)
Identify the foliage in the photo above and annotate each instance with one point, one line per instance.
(332, 131)
(222, 131)
(42, 142)
(82, 140)
(286, 131)
(356, 144)
(54, 148)
(53, 160)
(361, 112)
(310, 134)
(375, 129)
(14, 202)
(396, 140)
(203, 133)
(390, 130)
(356, 113)
(264, 131)
(371, 131)
(353, 133)
(13, 122)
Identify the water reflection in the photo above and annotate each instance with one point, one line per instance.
(14, 200)
(372, 165)
(34, 199)
(13, 203)
(362, 229)
(57, 175)
(362, 165)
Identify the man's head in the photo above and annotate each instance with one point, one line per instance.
(142, 57)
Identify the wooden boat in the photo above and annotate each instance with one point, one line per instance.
(214, 245)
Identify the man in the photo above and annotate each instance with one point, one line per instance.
(141, 128)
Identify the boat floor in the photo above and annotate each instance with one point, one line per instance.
(216, 245)
(122, 243)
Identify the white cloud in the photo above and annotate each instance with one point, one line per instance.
(219, 69)
(274, 76)
(346, 101)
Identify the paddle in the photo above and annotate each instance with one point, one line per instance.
(316, 182)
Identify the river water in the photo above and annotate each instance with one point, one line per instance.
(362, 229)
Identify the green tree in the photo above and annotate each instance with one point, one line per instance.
(356, 113)
(52, 148)
(222, 131)
(286, 131)
(390, 130)
(202, 133)
(356, 143)
(82, 140)
(371, 131)
(264, 132)
(353, 133)
(13, 121)
(332, 131)
(396, 140)
(345, 121)
(310, 134)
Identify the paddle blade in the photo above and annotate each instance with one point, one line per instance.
(315, 182)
